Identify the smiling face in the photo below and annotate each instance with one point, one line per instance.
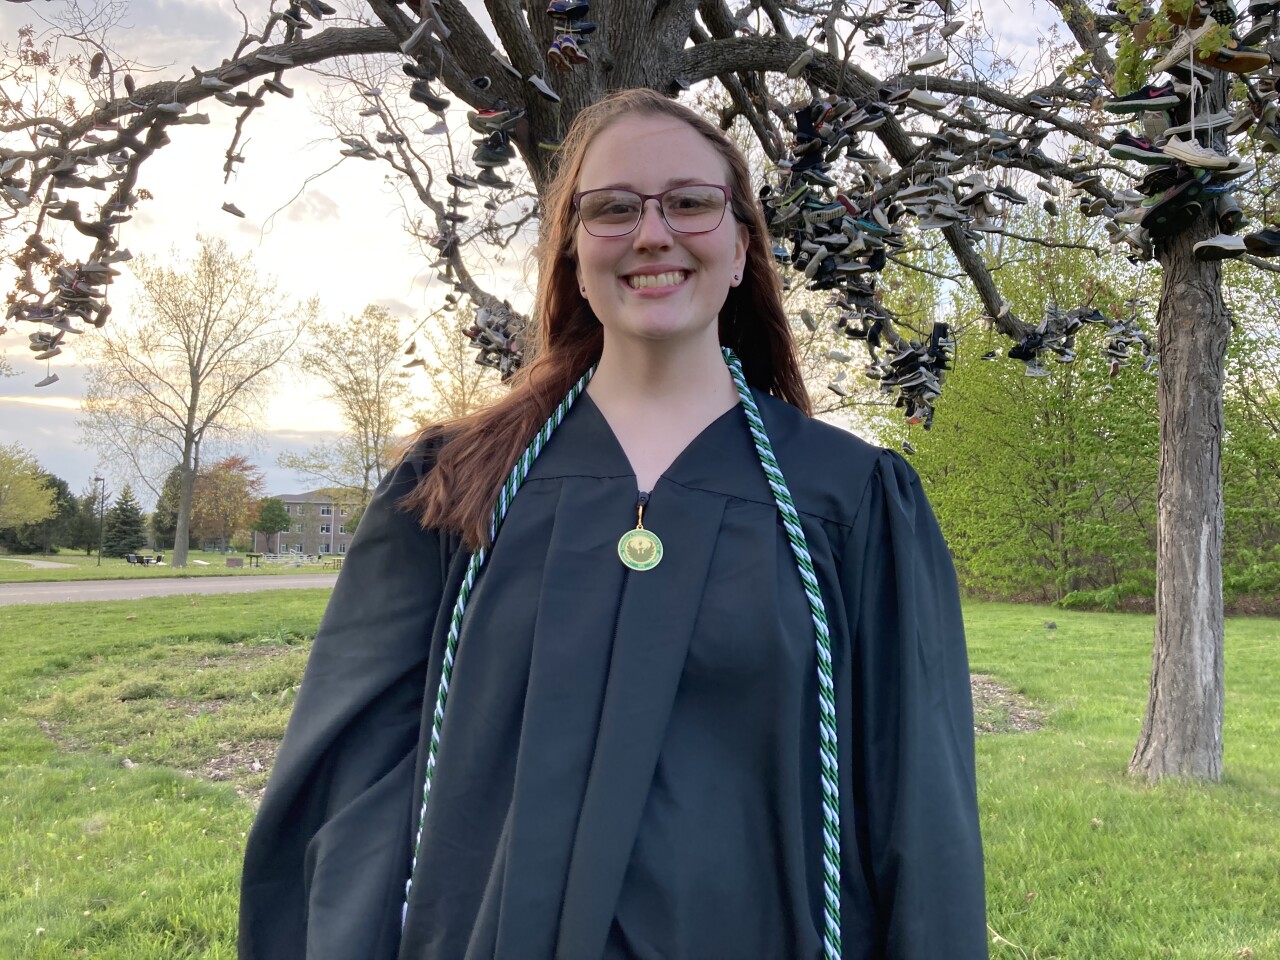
(655, 283)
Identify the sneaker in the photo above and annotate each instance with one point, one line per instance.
(1236, 58)
(1263, 243)
(1196, 155)
(232, 209)
(1220, 247)
(1129, 147)
(1151, 97)
(1182, 47)
(924, 100)
(1202, 123)
(543, 88)
(930, 58)
(799, 64)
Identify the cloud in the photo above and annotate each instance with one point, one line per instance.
(313, 207)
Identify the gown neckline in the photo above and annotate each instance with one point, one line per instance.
(687, 454)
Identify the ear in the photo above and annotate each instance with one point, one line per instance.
(740, 250)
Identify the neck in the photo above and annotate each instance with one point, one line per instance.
(643, 379)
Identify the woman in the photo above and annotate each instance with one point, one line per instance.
(701, 708)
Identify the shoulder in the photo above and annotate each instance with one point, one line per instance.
(419, 453)
(827, 468)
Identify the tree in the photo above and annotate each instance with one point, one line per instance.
(223, 503)
(358, 360)
(84, 529)
(457, 385)
(830, 96)
(52, 532)
(197, 367)
(124, 528)
(273, 518)
(26, 495)
(164, 519)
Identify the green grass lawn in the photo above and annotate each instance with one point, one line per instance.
(117, 568)
(103, 858)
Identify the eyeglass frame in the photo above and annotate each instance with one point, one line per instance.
(645, 198)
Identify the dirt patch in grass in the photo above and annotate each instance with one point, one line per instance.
(212, 713)
(997, 709)
(244, 765)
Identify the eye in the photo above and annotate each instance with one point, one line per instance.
(609, 206)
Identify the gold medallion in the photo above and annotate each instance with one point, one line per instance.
(639, 549)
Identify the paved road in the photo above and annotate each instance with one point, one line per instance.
(78, 590)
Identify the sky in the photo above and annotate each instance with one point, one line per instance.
(334, 232)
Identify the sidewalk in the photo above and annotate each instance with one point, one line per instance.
(75, 591)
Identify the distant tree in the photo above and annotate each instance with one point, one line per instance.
(223, 503)
(458, 385)
(272, 518)
(197, 367)
(52, 532)
(164, 520)
(359, 360)
(125, 528)
(83, 530)
(25, 494)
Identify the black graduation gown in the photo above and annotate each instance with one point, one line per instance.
(629, 761)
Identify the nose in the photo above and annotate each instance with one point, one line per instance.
(652, 230)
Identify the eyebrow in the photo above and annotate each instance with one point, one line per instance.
(673, 182)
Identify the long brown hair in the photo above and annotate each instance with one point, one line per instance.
(458, 495)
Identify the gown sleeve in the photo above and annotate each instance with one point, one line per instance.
(329, 852)
(913, 758)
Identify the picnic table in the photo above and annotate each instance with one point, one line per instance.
(335, 562)
(255, 559)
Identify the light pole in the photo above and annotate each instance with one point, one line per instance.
(102, 497)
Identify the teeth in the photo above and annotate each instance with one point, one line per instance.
(643, 280)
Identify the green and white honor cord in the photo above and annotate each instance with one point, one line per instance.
(827, 747)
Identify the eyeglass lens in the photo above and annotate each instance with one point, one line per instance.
(614, 213)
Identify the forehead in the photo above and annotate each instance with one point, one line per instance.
(648, 154)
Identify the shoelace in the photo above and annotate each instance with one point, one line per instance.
(827, 736)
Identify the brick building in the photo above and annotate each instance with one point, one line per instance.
(319, 526)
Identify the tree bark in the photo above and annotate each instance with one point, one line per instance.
(1182, 732)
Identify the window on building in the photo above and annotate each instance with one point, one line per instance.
(342, 548)
(297, 528)
(342, 528)
(326, 528)
(302, 508)
(288, 508)
(345, 511)
(324, 548)
(326, 511)
(297, 548)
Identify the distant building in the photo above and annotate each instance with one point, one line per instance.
(320, 526)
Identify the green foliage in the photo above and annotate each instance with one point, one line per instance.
(164, 521)
(84, 528)
(273, 517)
(1251, 446)
(125, 529)
(26, 496)
(50, 533)
(1046, 486)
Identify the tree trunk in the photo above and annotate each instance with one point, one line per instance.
(182, 529)
(1182, 732)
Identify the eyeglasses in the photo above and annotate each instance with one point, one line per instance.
(692, 208)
